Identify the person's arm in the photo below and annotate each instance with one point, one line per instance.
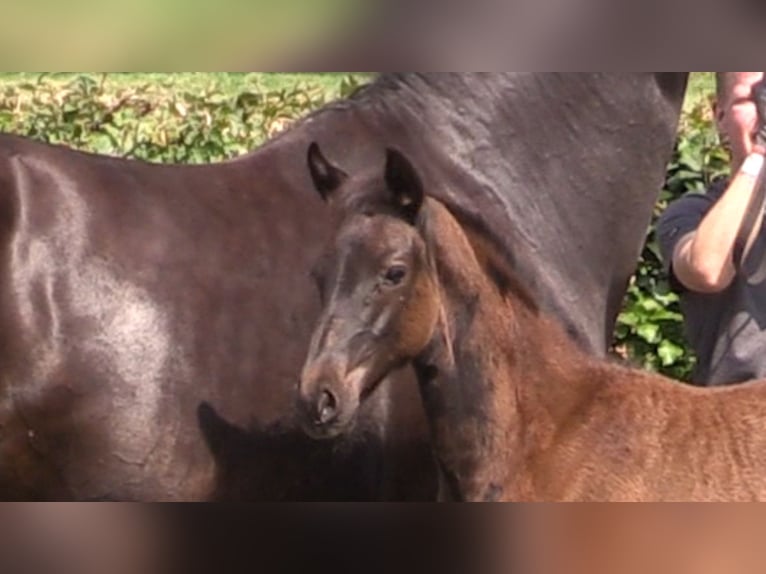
(703, 260)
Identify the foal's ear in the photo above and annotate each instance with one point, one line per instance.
(326, 177)
(404, 184)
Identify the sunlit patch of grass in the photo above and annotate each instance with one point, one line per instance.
(165, 34)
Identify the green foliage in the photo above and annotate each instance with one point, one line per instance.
(199, 123)
(154, 121)
(650, 329)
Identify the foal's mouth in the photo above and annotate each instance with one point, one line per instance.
(321, 430)
(334, 410)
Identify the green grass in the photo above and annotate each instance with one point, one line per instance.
(167, 34)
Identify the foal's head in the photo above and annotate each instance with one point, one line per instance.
(378, 288)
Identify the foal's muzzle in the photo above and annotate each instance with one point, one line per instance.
(324, 412)
(325, 409)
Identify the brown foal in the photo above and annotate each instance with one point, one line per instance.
(516, 410)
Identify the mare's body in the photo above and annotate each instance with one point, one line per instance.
(151, 328)
(153, 319)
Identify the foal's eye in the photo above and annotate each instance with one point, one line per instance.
(395, 275)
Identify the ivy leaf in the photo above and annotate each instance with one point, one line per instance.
(669, 353)
(649, 332)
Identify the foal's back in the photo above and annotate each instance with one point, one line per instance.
(644, 437)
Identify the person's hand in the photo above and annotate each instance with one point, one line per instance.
(759, 97)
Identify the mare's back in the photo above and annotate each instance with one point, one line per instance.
(563, 168)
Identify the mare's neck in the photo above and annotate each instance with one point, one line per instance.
(498, 379)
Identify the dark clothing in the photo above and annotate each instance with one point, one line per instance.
(727, 330)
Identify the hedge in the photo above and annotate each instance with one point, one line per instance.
(166, 124)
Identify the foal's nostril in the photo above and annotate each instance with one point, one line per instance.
(327, 408)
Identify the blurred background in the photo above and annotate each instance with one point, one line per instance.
(164, 34)
(384, 539)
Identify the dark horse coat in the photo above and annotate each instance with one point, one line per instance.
(153, 319)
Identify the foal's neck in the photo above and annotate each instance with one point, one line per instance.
(499, 377)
